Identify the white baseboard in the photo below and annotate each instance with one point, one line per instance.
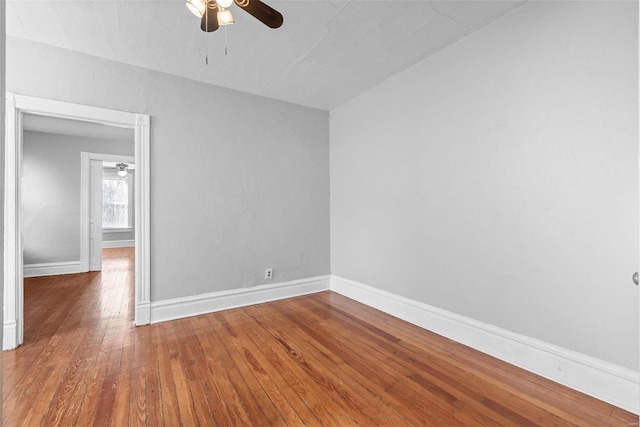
(178, 308)
(603, 380)
(118, 243)
(9, 336)
(143, 313)
(55, 268)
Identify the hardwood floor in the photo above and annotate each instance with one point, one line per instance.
(314, 360)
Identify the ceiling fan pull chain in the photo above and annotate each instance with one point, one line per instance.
(225, 40)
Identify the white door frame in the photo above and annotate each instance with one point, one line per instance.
(18, 105)
(86, 198)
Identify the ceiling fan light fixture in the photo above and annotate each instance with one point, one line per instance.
(224, 16)
(122, 169)
(224, 3)
(210, 22)
(197, 7)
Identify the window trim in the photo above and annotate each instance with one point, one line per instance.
(117, 230)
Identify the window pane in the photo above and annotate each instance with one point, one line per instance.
(115, 203)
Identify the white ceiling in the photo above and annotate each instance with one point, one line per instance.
(325, 53)
(59, 126)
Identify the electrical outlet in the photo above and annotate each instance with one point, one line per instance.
(268, 274)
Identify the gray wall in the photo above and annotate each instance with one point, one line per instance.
(51, 193)
(498, 179)
(252, 186)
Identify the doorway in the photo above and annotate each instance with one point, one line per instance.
(93, 167)
(16, 107)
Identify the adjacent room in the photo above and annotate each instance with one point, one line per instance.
(324, 212)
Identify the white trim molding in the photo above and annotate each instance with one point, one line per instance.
(18, 105)
(178, 308)
(117, 230)
(142, 220)
(13, 289)
(9, 335)
(55, 268)
(611, 383)
(118, 243)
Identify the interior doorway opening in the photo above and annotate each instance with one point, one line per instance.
(17, 106)
(57, 192)
(106, 222)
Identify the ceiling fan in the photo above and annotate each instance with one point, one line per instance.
(214, 13)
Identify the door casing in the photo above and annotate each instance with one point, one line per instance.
(16, 106)
(95, 215)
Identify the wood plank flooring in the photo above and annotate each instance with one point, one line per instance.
(314, 360)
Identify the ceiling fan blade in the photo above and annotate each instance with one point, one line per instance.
(262, 12)
(209, 21)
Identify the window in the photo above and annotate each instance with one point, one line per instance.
(116, 200)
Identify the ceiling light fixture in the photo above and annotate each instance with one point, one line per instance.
(122, 169)
(225, 17)
(197, 7)
(212, 19)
